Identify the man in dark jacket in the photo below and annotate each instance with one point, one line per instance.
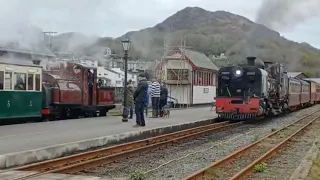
(163, 97)
(139, 97)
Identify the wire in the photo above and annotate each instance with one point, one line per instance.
(195, 152)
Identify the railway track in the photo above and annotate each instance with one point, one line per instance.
(79, 162)
(243, 162)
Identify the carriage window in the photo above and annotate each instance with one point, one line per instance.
(30, 82)
(8, 81)
(38, 83)
(1, 80)
(20, 81)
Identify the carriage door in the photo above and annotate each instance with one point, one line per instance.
(90, 86)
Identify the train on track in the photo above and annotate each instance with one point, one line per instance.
(63, 90)
(261, 89)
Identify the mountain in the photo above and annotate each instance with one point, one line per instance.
(214, 33)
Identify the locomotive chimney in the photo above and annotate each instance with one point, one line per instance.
(250, 60)
(36, 62)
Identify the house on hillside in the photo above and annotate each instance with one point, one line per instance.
(299, 75)
(189, 75)
(131, 76)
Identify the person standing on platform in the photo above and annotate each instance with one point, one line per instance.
(155, 97)
(130, 98)
(139, 97)
(147, 101)
(163, 98)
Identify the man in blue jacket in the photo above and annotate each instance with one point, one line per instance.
(139, 97)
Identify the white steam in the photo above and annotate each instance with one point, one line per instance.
(282, 15)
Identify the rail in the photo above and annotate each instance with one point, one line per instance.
(241, 163)
(78, 162)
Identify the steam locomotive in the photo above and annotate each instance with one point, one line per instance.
(260, 89)
(64, 90)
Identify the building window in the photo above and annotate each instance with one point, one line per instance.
(38, 82)
(199, 78)
(20, 81)
(1, 80)
(118, 82)
(205, 78)
(30, 82)
(178, 74)
(8, 81)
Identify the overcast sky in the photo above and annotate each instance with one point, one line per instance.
(115, 17)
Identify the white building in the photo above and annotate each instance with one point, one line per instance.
(131, 76)
(190, 76)
(110, 77)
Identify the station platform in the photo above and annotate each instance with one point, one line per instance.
(15, 174)
(28, 143)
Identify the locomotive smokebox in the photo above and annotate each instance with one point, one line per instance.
(250, 60)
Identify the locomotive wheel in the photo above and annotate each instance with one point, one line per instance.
(103, 113)
(74, 114)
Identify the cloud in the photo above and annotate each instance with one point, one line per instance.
(107, 17)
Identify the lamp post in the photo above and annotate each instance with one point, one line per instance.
(126, 47)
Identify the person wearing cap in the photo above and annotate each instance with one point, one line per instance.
(139, 97)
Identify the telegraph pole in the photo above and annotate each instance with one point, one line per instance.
(49, 33)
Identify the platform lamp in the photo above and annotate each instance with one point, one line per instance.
(126, 47)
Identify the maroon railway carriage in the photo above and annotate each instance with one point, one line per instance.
(317, 93)
(71, 90)
(305, 93)
(294, 93)
(313, 92)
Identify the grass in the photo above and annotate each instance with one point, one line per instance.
(138, 175)
(255, 138)
(314, 173)
(260, 167)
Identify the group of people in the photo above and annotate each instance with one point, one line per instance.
(139, 99)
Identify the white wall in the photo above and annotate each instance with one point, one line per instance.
(180, 92)
(200, 97)
(116, 79)
(131, 76)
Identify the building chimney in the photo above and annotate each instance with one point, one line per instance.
(36, 62)
(250, 60)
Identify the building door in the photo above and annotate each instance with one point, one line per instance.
(90, 86)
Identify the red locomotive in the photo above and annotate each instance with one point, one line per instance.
(71, 90)
(261, 89)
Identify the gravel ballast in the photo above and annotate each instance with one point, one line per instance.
(288, 159)
(181, 160)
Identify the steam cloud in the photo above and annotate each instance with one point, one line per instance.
(282, 15)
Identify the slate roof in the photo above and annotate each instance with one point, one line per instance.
(294, 74)
(200, 60)
(317, 80)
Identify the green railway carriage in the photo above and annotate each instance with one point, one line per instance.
(20, 92)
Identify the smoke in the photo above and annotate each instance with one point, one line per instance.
(282, 15)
